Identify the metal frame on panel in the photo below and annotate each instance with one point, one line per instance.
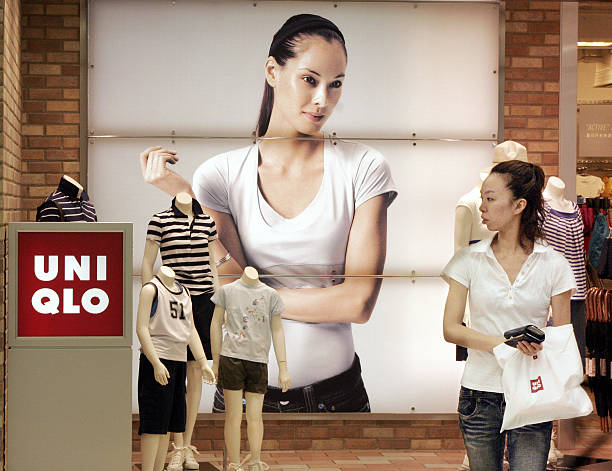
(84, 92)
(83, 341)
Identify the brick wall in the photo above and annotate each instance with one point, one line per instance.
(426, 432)
(50, 74)
(10, 163)
(531, 111)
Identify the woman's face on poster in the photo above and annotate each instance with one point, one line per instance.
(308, 87)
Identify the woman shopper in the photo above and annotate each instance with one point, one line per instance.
(295, 203)
(511, 279)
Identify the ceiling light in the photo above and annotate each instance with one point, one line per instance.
(594, 44)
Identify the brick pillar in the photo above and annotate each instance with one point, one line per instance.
(50, 71)
(531, 108)
(10, 164)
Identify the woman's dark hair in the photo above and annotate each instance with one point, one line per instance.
(526, 180)
(283, 48)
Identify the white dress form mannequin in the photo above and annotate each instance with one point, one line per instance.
(184, 203)
(254, 401)
(154, 447)
(554, 195)
(466, 227)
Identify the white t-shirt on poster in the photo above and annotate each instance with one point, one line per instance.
(497, 306)
(312, 243)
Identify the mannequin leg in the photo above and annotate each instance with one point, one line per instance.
(233, 417)
(162, 451)
(255, 429)
(194, 394)
(149, 444)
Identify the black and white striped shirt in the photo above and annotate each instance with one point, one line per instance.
(184, 247)
(65, 205)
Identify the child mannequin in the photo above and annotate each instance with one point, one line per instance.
(241, 357)
(165, 327)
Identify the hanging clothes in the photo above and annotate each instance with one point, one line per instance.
(599, 349)
(601, 230)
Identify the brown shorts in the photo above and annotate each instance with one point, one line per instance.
(236, 374)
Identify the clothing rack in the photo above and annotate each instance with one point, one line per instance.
(599, 352)
(594, 165)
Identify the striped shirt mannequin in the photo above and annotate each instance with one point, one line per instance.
(184, 247)
(68, 203)
(564, 231)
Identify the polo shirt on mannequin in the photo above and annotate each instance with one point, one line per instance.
(184, 246)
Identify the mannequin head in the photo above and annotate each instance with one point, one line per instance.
(250, 275)
(183, 198)
(304, 73)
(512, 194)
(555, 188)
(166, 276)
(509, 150)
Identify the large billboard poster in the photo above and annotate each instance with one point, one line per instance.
(343, 200)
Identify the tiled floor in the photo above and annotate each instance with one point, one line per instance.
(349, 460)
(371, 460)
(591, 443)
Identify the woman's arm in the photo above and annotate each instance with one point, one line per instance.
(354, 299)
(154, 171)
(227, 242)
(459, 334)
(351, 301)
(561, 312)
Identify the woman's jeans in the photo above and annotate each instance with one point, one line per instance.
(342, 393)
(480, 419)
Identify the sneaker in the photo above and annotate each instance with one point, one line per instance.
(177, 456)
(190, 461)
(465, 466)
(258, 466)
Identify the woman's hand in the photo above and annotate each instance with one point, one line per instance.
(154, 171)
(529, 348)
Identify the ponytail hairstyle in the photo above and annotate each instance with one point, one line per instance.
(283, 48)
(526, 180)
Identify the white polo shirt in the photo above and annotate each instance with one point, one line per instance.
(497, 306)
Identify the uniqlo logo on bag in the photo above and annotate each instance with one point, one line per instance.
(536, 385)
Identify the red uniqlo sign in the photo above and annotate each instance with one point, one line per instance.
(70, 284)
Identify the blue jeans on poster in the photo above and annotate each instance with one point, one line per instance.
(342, 393)
(480, 419)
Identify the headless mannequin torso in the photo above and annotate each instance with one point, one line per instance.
(554, 195)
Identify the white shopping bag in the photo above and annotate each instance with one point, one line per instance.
(544, 387)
